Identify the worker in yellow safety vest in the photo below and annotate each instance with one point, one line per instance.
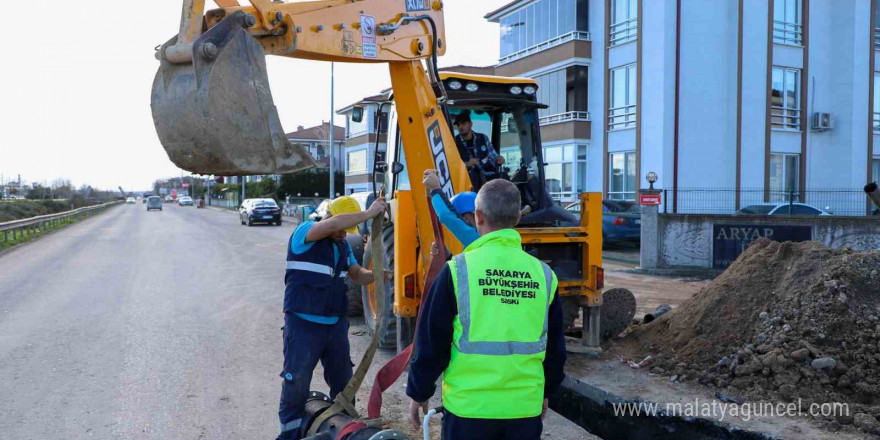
(491, 324)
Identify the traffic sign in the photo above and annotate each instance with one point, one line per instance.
(649, 199)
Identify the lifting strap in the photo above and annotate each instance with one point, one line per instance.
(390, 372)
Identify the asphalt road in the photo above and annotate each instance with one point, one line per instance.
(153, 325)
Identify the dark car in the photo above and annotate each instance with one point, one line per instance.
(621, 220)
(259, 211)
(154, 202)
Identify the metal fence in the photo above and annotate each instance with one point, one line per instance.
(18, 230)
(834, 201)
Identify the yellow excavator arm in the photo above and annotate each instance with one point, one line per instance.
(214, 112)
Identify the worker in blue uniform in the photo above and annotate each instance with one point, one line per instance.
(456, 214)
(315, 304)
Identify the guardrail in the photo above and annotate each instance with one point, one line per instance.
(28, 227)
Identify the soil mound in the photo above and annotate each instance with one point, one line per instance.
(785, 321)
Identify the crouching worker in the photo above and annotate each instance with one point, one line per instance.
(491, 324)
(315, 304)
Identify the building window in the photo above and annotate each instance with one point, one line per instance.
(787, 22)
(565, 93)
(541, 25)
(356, 129)
(622, 113)
(357, 162)
(876, 117)
(785, 99)
(581, 175)
(558, 161)
(622, 176)
(875, 167)
(877, 28)
(784, 176)
(624, 21)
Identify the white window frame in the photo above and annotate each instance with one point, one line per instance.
(571, 162)
(623, 117)
(624, 194)
(348, 170)
(875, 167)
(876, 114)
(789, 118)
(623, 30)
(788, 32)
(780, 193)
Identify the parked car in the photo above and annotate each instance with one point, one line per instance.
(154, 202)
(782, 209)
(321, 211)
(259, 211)
(185, 201)
(130, 201)
(621, 220)
(168, 199)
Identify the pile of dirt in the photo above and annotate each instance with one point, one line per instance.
(786, 321)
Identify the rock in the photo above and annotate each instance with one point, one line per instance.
(673, 378)
(821, 363)
(786, 328)
(750, 347)
(741, 383)
(776, 320)
(763, 316)
(658, 371)
(787, 391)
(800, 355)
(866, 422)
(842, 298)
(832, 284)
(723, 362)
(762, 337)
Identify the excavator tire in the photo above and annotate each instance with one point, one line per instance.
(387, 334)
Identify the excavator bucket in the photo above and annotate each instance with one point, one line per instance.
(215, 114)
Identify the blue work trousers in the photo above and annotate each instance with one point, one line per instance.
(462, 428)
(305, 343)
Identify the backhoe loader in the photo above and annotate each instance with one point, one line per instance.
(214, 114)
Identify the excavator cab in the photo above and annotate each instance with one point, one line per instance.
(505, 110)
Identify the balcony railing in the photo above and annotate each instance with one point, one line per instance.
(877, 38)
(788, 33)
(622, 117)
(785, 118)
(623, 32)
(553, 42)
(354, 134)
(877, 121)
(564, 117)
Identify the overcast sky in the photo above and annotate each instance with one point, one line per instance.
(76, 80)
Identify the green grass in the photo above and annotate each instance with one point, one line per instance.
(15, 237)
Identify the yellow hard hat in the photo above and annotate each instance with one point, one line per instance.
(345, 205)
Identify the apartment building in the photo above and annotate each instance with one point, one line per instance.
(759, 98)
(361, 141)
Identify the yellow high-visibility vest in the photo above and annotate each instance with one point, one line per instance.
(496, 368)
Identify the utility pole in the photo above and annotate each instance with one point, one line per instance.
(243, 180)
(332, 168)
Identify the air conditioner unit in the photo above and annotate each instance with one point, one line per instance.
(822, 121)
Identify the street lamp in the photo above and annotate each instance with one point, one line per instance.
(651, 177)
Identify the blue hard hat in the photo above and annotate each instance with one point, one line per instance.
(465, 202)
